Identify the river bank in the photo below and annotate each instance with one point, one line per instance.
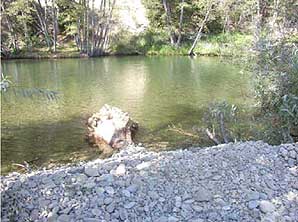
(249, 181)
(228, 45)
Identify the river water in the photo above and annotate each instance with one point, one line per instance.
(158, 92)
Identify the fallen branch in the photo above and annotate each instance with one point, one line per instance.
(222, 128)
(25, 166)
(182, 131)
(212, 136)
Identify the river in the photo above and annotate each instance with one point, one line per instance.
(158, 92)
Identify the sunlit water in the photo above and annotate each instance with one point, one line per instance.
(156, 91)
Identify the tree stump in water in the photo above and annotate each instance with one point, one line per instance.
(110, 129)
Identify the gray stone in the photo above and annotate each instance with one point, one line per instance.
(81, 178)
(91, 171)
(126, 193)
(197, 208)
(32, 184)
(111, 207)
(162, 219)
(283, 152)
(292, 154)
(132, 188)
(64, 218)
(96, 212)
(172, 219)
(153, 194)
(253, 204)
(108, 200)
(129, 205)
(99, 190)
(52, 217)
(123, 214)
(90, 185)
(106, 177)
(110, 190)
(253, 195)
(34, 214)
(203, 195)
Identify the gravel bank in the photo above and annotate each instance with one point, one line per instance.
(250, 181)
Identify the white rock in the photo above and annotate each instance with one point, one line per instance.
(120, 171)
(143, 165)
(266, 206)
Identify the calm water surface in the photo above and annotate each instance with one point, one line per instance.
(156, 91)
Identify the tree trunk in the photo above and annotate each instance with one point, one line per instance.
(92, 29)
(54, 24)
(180, 24)
(42, 18)
(27, 39)
(191, 50)
(11, 31)
(87, 26)
(169, 21)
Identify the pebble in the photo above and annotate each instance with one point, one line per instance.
(129, 205)
(91, 171)
(143, 165)
(253, 195)
(109, 190)
(63, 218)
(126, 193)
(253, 204)
(203, 195)
(123, 214)
(108, 200)
(111, 207)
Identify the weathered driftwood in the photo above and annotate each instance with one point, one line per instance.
(111, 126)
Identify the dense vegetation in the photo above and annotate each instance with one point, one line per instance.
(261, 32)
(87, 26)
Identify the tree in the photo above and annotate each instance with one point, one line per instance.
(198, 36)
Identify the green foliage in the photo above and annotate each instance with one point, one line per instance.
(5, 84)
(221, 118)
(225, 44)
(288, 110)
(276, 70)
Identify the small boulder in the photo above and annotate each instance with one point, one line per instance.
(111, 126)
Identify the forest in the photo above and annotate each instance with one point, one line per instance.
(94, 28)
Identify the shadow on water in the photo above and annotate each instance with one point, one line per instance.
(44, 143)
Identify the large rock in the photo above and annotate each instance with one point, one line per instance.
(111, 126)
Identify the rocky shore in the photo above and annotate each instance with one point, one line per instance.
(249, 181)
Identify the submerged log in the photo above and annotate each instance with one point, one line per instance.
(111, 126)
